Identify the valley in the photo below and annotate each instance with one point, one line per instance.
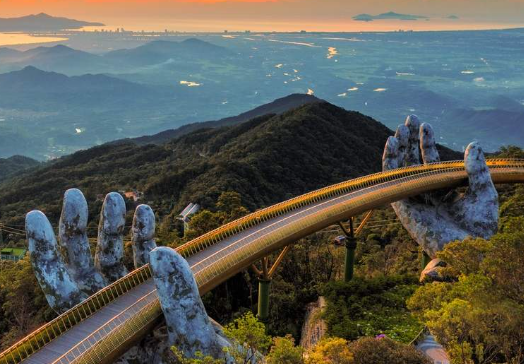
(182, 79)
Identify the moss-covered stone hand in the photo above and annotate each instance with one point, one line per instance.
(66, 270)
(68, 274)
(437, 218)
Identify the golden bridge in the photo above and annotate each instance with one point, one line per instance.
(107, 324)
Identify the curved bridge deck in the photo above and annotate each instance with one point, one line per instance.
(105, 325)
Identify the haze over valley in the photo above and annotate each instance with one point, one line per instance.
(96, 88)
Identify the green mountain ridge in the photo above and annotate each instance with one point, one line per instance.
(277, 106)
(12, 165)
(266, 160)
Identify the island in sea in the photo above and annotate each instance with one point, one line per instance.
(388, 16)
(41, 22)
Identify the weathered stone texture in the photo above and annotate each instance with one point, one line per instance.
(59, 288)
(110, 248)
(438, 218)
(189, 327)
(74, 243)
(143, 234)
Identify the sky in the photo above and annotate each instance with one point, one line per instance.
(279, 14)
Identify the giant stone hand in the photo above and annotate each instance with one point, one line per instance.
(437, 218)
(68, 274)
(66, 271)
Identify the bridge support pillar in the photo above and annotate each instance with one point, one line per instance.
(265, 275)
(263, 298)
(351, 245)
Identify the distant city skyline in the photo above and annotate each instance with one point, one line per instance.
(280, 15)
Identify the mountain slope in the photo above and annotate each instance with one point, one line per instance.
(63, 59)
(58, 58)
(14, 164)
(160, 51)
(278, 106)
(465, 122)
(52, 91)
(266, 160)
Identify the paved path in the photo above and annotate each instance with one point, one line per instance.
(433, 350)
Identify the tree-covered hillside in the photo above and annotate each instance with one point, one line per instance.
(277, 107)
(233, 169)
(14, 164)
(229, 171)
(266, 160)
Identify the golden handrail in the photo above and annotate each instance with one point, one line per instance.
(222, 263)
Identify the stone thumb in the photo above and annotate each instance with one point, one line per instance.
(189, 327)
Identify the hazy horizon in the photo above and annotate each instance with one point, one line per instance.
(460, 81)
(276, 15)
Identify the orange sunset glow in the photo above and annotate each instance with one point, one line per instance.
(278, 15)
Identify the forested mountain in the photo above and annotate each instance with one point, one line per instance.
(266, 160)
(278, 106)
(262, 161)
(14, 164)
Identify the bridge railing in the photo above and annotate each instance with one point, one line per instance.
(281, 208)
(257, 217)
(229, 256)
(42, 336)
(33, 342)
(119, 329)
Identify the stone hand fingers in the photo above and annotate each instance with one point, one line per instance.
(74, 242)
(109, 256)
(428, 146)
(478, 209)
(59, 286)
(412, 156)
(143, 234)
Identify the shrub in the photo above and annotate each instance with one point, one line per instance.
(384, 350)
(369, 307)
(284, 351)
(330, 351)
